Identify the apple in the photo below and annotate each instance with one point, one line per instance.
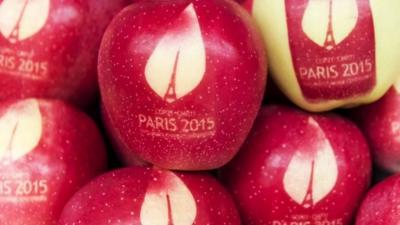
(299, 168)
(116, 142)
(380, 122)
(47, 151)
(48, 48)
(151, 196)
(182, 81)
(330, 54)
(381, 206)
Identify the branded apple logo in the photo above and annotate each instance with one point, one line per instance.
(172, 76)
(168, 201)
(326, 54)
(21, 19)
(20, 130)
(43, 158)
(49, 48)
(299, 168)
(333, 26)
(150, 196)
(311, 177)
(174, 70)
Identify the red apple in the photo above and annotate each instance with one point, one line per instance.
(299, 168)
(381, 206)
(48, 48)
(148, 196)
(47, 151)
(117, 142)
(328, 54)
(182, 81)
(380, 122)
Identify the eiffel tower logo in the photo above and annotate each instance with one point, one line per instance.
(330, 38)
(170, 95)
(21, 19)
(20, 130)
(312, 173)
(14, 36)
(8, 155)
(170, 217)
(329, 22)
(308, 199)
(168, 201)
(174, 69)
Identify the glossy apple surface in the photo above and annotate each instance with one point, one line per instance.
(181, 85)
(329, 54)
(299, 168)
(48, 48)
(148, 196)
(380, 122)
(381, 205)
(48, 150)
(117, 143)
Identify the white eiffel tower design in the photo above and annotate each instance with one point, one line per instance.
(14, 36)
(330, 38)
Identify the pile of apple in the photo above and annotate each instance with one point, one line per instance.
(151, 112)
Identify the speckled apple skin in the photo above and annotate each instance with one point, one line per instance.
(116, 141)
(380, 122)
(381, 205)
(68, 43)
(255, 176)
(229, 94)
(117, 198)
(69, 154)
(272, 19)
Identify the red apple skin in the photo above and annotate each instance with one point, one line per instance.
(380, 122)
(381, 205)
(247, 4)
(56, 168)
(118, 198)
(257, 175)
(63, 53)
(221, 108)
(117, 142)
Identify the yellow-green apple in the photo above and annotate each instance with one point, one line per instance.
(326, 54)
(48, 48)
(381, 205)
(380, 123)
(182, 81)
(149, 196)
(48, 150)
(299, 168)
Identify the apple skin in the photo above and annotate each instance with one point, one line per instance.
(380, 122)
(35, 187)
(373, 42)
(381, 205)
(60, 59)
(267, 175)
(230, 69)
(117, 142)
(119, 197)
